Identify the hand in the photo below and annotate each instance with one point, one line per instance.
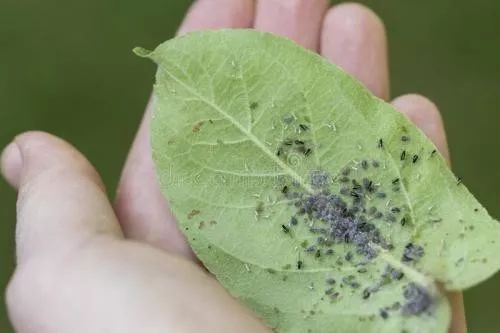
(84, 267)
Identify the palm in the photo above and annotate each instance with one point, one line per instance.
(140, 252)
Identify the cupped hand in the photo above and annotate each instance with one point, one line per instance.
(83, 266)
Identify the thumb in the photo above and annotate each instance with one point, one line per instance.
(62, 203)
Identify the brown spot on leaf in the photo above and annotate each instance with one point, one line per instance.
(197, 126)
(193, 213)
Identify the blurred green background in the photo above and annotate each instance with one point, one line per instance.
(66, 67)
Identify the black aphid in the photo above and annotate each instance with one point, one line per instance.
(311, 249)
(415, 158)
(318, 253)
(308, 152)
(412, 252)
(279, 152)
(329, 252)
(284, 190)
(364, 164)
(418, 300)
(288, 142)
(366, 293)
(362, 270)
(384, 314)
(405, 138)
(459, 180)
(285, 229)
(403, 221)
(395, 210)
(330, 281)
(293, 220)
(303, 127)
(300, 264)
(395, 181)
(368, 185)
(433, 152)
(299, 142)
(403, 155)
(380, 143)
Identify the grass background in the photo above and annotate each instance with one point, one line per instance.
(66, 67)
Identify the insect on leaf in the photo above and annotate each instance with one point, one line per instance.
(312, 201)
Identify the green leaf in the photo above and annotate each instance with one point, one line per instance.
(312, 201)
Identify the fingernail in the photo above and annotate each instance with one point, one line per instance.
(11, 163)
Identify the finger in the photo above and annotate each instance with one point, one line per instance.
(425, 115)
(354, 38)
(140, 206)
(62, 203)
(299, 20)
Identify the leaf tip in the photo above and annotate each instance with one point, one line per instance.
(142, 52)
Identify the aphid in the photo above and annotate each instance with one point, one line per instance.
(381, 195)
(405, 138)
(308, 152)
(210, 121)
(311, 249)
(433, 152)
(395, 210)
(330, 281)
(318, 253)
(285, 229)
(284, 190)
(384, 314)
(355, 194)
(368, 185)
(366, 294)
(293, 220)
(375, 164)
(403, 221)
(303, 127)
(403, 155)
(279, 152)
(254, 105)
(329, 252)
(299, 142)
(300, 264)
(415, 158)
(395, 181)
(364, 164)
(459, 180)
(362, 270)
(380, 143)
(288, 142)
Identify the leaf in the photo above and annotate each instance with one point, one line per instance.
(312, 201)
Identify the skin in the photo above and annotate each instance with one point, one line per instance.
(84, 265)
